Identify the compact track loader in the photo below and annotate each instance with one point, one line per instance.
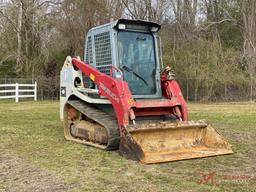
(120, 98)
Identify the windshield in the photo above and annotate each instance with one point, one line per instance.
(137, 60)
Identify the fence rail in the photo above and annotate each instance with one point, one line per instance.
(19, 91)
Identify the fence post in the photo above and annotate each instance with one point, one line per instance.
(35, 91)
(16, 92)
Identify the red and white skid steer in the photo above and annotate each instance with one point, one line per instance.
(120, 98)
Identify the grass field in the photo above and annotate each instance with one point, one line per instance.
(35, 156)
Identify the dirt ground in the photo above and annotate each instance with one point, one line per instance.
(19, 175)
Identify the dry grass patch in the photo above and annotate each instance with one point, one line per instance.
(36, 157)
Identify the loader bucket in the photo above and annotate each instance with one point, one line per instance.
(164, 141)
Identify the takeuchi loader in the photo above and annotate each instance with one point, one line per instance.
(120, 97)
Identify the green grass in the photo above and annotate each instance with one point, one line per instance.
(36, 157)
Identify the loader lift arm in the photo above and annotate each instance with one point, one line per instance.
(125, 107)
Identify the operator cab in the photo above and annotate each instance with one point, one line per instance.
(131, 46)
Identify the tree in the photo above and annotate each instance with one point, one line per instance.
(146, 9)
(249, 49)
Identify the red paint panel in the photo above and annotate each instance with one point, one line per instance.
(171, 90)
(156, 103)
(151, 113)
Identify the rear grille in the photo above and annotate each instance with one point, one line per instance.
(89, 54)
(103, 52)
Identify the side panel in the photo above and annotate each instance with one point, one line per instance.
(68, 87)
(66, 84)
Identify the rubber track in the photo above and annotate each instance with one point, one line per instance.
(97, 115)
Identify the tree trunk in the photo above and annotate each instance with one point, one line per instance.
(18, 58)
(249, 22)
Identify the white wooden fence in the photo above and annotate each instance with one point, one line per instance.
(17, 91)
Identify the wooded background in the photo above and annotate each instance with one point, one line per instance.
(210, 44)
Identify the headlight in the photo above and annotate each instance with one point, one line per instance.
(121, 26)
(154, 29)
